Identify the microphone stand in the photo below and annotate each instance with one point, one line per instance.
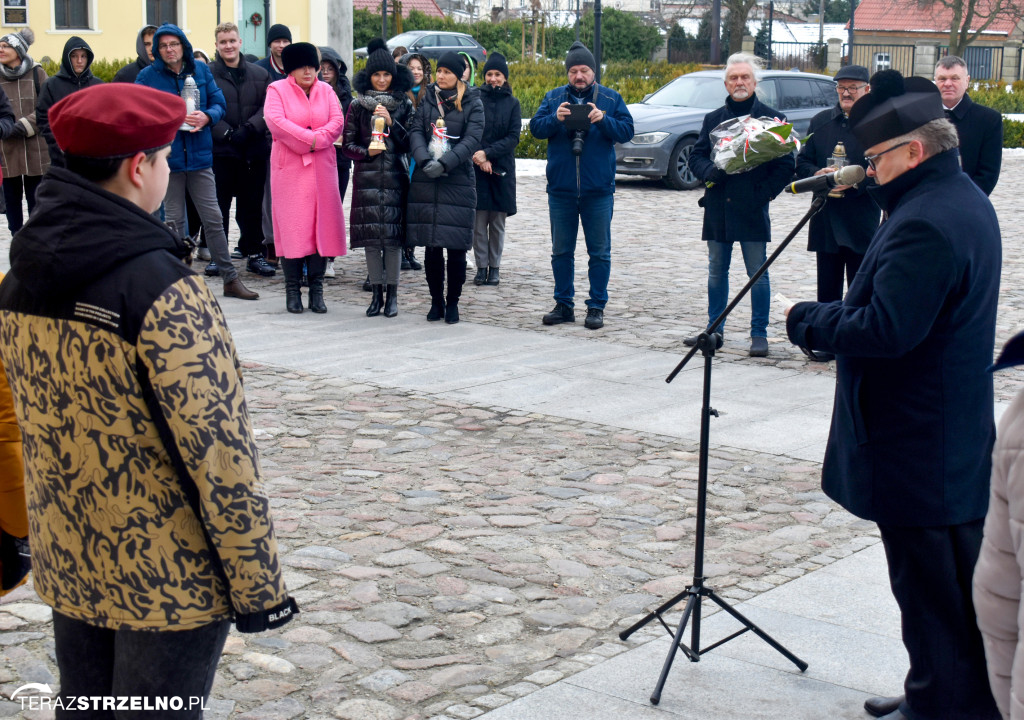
(707, 343)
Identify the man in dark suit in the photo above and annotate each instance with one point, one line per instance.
(736, 206)
(840, 233)
(980, 128)
(912, 427)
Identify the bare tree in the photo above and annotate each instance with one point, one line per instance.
(970, 18)
(738, 12)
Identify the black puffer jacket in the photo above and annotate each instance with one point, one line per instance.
(379, 182)
(502, 127)
(441, 212)
(59, 87)
(244, 100)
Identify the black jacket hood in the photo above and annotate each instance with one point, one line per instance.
(400, 82)
(75, 43)
(79, 233)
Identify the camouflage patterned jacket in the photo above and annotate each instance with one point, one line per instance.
(141, 468)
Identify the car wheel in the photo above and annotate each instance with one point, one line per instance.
(679, 176)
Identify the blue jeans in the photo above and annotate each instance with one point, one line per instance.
(754, 254)
(595, 212)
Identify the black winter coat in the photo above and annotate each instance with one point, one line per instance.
(502, 127)
(244, 101)
(59, 87)
(379, 182)
(736, 206)
(849, 221)
(912, 428)
(441, 212)
(981, 142)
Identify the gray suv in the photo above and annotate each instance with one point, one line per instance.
(668, 121)
(434, 43)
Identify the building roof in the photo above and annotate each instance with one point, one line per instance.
(427, 7)
(908, 15)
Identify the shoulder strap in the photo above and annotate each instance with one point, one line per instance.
(35, 77)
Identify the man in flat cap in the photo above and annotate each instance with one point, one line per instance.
(840, 232)
(980, 128)
(148, 531)
(912, 427)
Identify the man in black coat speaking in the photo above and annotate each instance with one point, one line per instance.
(912, 426)
(736, 206)
(980, 128)
(840, 233)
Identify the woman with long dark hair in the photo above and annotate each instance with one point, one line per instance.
(495, 169)
(419, 66)
(380, 179)
(446, 131)
(334, 72)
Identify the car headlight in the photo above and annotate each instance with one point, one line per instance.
(650, 138)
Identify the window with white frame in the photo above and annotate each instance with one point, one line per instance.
(15, 12)
(159, 12)
(71, 14)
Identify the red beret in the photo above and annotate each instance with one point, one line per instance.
(116, 120)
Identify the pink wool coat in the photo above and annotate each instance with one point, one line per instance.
(308, 217)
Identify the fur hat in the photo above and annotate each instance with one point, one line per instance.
(895, 106)
(579, 55)
(453, 62)
(276, 32)
(20, 41)
(379, 58)
(300, 55)
(496, 61)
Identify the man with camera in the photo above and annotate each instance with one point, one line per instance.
(736, 206)
(581, 121)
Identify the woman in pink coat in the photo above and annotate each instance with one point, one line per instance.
(305, 118)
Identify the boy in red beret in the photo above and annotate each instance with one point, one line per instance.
(148, 531)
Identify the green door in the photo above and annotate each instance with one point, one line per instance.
(253, 27)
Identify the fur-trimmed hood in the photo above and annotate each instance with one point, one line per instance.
(400, 82)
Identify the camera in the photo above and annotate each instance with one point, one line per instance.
(578, 125)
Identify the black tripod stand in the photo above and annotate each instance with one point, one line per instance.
(707, 343)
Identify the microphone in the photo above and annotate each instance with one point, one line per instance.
(849, 175)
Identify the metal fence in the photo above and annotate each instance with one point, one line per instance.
(983, 63)
(808, 57)
(884, 57)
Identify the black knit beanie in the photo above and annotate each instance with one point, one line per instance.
(379, 58)
(300, 55)
(452, 61)
(496, 61)
(579, 55)
(276, 32)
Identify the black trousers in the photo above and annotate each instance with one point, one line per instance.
(831, 268)
(434, 266)
(173, 664)
(242, 179)
(930, 571)
(13, 188)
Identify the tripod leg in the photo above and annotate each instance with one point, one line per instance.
(655, 614)
(758, 631)
(656, 695)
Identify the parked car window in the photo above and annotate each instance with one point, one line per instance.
(698, 92)
(464, 42)
(828, 92)
(797, 93)
(448, 41)
(767, 93)
(427, 41)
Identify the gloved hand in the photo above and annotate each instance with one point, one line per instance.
(718, 175)
(19, 130)
(241, 134)
(433, 169)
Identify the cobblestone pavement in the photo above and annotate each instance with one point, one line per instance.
(448, 557)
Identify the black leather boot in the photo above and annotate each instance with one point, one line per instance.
(409, 257)
(481, 277)
(316, 266)
(391, 305)
(376, 300)
(292, 269)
